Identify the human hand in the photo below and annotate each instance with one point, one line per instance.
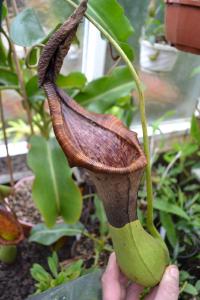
(114, 284)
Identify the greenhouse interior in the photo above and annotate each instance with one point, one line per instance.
(99, 149)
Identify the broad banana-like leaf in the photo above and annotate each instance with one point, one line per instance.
(11, 231)
(113, 157)
(47, 236)
(110, 15)
(54, 191)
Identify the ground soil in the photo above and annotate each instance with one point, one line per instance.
(15, 279)
(16, 282)
(22, 203)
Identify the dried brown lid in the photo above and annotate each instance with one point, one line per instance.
(96, 142)
(184, 2)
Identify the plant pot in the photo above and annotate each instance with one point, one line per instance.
(157, 57)
(182, 22)
(27, 226)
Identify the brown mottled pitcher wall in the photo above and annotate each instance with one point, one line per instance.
(100, 143)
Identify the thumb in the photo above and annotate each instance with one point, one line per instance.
(168, 288)
(111, 281)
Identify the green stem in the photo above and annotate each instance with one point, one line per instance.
(150, 224)
(9, 161)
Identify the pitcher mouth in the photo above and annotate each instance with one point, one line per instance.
(100, 143)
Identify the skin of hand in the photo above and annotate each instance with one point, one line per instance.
(115, 284)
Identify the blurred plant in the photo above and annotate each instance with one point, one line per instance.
(17, 130)
(57, 275)
(153, 30)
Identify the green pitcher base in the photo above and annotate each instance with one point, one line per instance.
(141, 257)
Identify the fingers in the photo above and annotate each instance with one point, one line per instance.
(168, 288)
(134, 291)
(152, 295)
(114, 283)
(111, 281)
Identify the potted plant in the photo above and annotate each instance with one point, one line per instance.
(156, 55)
(112, 156)
(182, 24)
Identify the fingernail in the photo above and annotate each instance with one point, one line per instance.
(173, 271)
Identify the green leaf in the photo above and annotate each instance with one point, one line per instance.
(184, 275)
(195, 129)
(195, 71)
(26, 29)
(47, 236)
(101, 215)
(197, 285)
(165, 206)
(39, 273)
(8, 79)
(3, 54)
(54, 191)
(53, 264)
(190, 289)
(187, 149)
(87, 287)
(73, 271)
(74, 80)
(4, 12)
(34, 93)
(110, 15)
(168, 224)
(191, 188)
(196, 172)
(101, 94)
